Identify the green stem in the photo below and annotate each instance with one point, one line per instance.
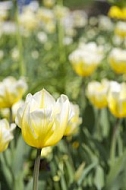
(97, 128)
(114, 141)
(11, 115)
(60, 41)
(61, 37)
(36, 170)
(22, 69)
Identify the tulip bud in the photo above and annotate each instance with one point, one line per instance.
(97, 93)
(11, 91)
(117, 60)
(5, 134)
(86, 59)
(117, 99)
(74, 122)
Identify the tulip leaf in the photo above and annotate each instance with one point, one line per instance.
(115, 176)
(104, 123)
(86, 172)
(21, 152)
(99, 178)
(6, 171)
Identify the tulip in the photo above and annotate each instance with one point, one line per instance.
(117, 99)
(49, 3)
(97, 93)
(42, 119)
(120, 29)
(86, 59)
(5, 112)
(117, 60)
(27, 19)
(117, 12)
(5, 134)
(74, 122)
(11, 91)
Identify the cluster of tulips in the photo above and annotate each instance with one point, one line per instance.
(42, 119)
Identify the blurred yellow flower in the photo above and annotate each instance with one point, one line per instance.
(45, 15)
(49, 3)
(47, 19)
(3, 14)
(117, 99)
(120, 29)
(11, 91)
(42, 119)
(46, 151)
(86, 58)
(27, 19)
(97, 93)
(74, 122)
(5, 112)
(117, 60)
(117, 12)
(60, 12)
(5, 134)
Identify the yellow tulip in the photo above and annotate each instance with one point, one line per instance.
(86, 58)
(49, 3)
(5, 134)
(75, 121)
(97, 93)
(5, 112)
(115, 12)
(28, 20)
(117, 99)
(11, 91)
(120, 29)
(117, 60)
(42, 119)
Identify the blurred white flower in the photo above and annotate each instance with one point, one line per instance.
(117, 60)
(117, 99)
(11, 91)
(42, 37)
(35, 54)
(5, 134)
(74, 122)
(86, 58)
(97, 93)
(67, 40)
(60, 12)
(93, 21)
(8, 28)
(15, 54)
(28, 20)
(105, 23)
(79, 18)
(120, 29)
(5, 112)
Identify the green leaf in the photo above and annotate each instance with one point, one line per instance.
(104, 123)
(20, 155)
(86, 172)
(115, 176)
(99, 177)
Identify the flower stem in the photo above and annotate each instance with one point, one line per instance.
(22, 68)
(36, 170)
(114, 141)
(11, 115)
